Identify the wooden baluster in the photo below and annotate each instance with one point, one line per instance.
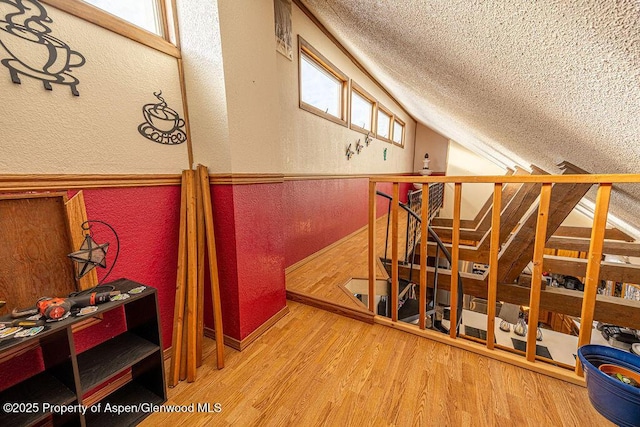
(536, 277)
(593, 267)
(373, 265)
(493, 264)
(394, 251)
(424, 236)
(455, 251)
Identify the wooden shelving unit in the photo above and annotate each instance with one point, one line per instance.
(68, 377)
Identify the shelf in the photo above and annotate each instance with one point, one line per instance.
(131, 394)
(112, 357)
(39, 389)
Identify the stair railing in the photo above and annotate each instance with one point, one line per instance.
(539, 221)
(440, 247)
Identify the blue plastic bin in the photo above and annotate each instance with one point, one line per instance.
(615, 400)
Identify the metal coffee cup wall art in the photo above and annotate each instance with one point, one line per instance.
(162, 124)
(30, 48)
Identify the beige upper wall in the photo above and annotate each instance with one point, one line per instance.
(97, 132)
(313, 144)
(251, 83)
(429, 141)
(201, 47)
(463, 162)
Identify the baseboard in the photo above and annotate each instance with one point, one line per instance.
(243, 344)
(314, 255)
(361, 315)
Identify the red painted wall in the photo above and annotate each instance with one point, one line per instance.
(320, 212)
(147, 222)
(250, 249)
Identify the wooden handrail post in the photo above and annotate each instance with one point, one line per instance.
(424, 236)
(455, 256)
(536, 277)
(492, 292)
(395, 205)
(372, 245)
(593, 267)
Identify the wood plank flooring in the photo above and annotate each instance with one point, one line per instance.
(317, 368)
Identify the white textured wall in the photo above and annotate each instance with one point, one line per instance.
(429, 141)
(204, 78)
(55, 132)
(463, 162)
(315, 145)
(251, 84)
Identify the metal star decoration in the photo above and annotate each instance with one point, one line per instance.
(90, 256)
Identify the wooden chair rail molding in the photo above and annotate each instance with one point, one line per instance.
(547, 205)
(12, 183)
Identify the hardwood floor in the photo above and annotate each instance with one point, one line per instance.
(318, 368)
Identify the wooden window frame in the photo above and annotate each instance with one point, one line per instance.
(304, 48)
(374, 109)
(168, 43)
(404, 128)
(391, 119)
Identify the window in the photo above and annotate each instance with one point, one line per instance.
(322, 86)
(384, 125)
(148, 22)
(398, 132)
(362, 107)
(143, 13)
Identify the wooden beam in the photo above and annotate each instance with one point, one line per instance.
(577, 267)
(585, 233)
(611, 247)
(608, 309)
(519, 248)
(201, 266)
(536, 277)
(493, 265)
(593, 266)
(455, 260)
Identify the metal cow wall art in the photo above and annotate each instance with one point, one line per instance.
(31, 49)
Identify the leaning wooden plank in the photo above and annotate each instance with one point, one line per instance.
(213, 264)
(192, 276)
(181, 283)
(201, 267)
(76, 215)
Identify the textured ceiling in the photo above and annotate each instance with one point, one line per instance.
(525, 82)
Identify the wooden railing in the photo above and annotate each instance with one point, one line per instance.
(546, 183)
